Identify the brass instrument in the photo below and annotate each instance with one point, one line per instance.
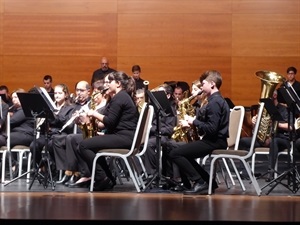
(185, 134)
(146, 85)
(145, 99)
(89, 130)
(269, 82)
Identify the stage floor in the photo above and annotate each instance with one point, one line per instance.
(18, 202)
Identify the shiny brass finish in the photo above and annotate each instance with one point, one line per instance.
(89, 130)
(269, 82)
(185, 134)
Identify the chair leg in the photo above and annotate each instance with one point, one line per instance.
(238, 175)
(29, 156)
(253, 163)
(228, 171)
(3, 166)
(252, 177)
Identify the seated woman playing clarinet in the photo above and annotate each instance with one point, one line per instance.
(62, 102)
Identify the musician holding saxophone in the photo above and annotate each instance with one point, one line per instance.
(120, 119)
(214, 124)
(98, 103)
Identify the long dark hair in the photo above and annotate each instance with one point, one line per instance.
(127, 82)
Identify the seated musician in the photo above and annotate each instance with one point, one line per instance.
(55, 123)
(21, 128)
(99, 98)
(59, 140)
(281, 138)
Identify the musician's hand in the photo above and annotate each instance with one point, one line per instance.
(254, 118)
(189, 119)
(184, 123)
(91, 112)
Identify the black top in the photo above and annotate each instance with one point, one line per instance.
(99, 74)
(58, 121)
(167, 123)
(285, 116)
(20, 123)
(214, 121)
(121, 114)
(139, 83)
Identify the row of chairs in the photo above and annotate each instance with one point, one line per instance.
(140, 142)
(23, 152)
(233, 154)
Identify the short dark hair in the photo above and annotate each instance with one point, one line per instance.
(48, 77)
(291, 68)
(136, 68)
(4, 87)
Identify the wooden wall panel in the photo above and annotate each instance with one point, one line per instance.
(265, 35)
(51, 7)
(265, 7)
(207, 35)
(180, 7)
(170, 39)
(150, 35)
(59, 35)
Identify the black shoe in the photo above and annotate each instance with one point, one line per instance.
(103, 184)
(244, 175)
(179, 188)
(200, 189)
(15, 173)
(64, 179)
(72, 180)
(84, 184)
(270, 177)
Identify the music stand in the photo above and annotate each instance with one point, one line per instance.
(292, 100)
(35, 106)
(162, 107)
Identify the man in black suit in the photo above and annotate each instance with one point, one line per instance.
(102, 71)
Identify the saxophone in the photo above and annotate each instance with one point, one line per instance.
(90, 129)
(185, 134)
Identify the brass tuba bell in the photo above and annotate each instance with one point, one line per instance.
(269, 82)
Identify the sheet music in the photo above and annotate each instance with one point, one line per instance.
(44, 93)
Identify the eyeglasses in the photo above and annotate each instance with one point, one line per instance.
(80, 90)
(291, 73)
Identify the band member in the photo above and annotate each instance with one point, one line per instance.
(214, 124)
(119, 119)
(53, 124)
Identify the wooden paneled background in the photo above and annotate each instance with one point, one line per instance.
(169, 39)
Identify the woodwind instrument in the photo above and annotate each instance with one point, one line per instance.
(146, 85)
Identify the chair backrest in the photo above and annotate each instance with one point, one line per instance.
(255, 131)
(142, 132)
(236, 120)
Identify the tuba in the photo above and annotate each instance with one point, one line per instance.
(269, 82)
